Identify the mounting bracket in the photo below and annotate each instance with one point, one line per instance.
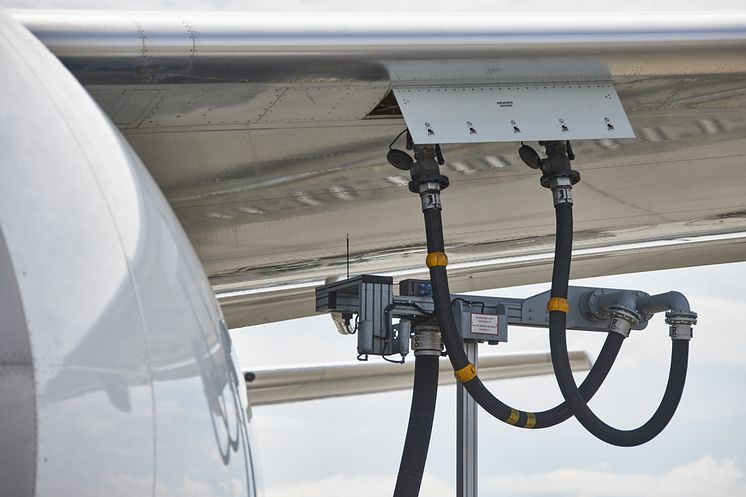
(513, 112)
(478, 318)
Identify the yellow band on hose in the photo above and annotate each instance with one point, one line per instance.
(558, 304)
(436, 259)
(513, 418)
(531, 421)
(467, 373)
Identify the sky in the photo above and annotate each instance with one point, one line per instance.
(351, 446)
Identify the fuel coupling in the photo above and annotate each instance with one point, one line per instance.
(426, 178)
(679, 315)
(427, 341)
(680, 325)
(620, 308)
(627, 308)
(622, 320)
(557, 175)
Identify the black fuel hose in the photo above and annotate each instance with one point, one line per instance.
(455, 347)
(420, 426)
(561, 361)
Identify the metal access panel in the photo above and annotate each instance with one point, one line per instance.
(512, 113)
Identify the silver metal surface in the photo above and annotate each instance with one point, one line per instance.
(261, 305)
(681, 332)
(598, 304)
(267, 198)
(561, 190)
(503, 113)
(320, 381)
(17, 386)
(467, 449)
(668, 301)
(122, 379)
(680, 324)
(430, 200)
(427, 341)
(579, 317)
(622, 320)
(628, 308)
(143, 47)
(430, 196)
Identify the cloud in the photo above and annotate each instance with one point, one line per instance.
(359, 486)
(707, 476)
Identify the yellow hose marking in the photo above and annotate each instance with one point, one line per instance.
(558, 304)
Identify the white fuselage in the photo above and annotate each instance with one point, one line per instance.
(116, 370)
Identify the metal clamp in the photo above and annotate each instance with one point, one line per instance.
(427, 341)
(622, 319)
(430, 196)
(561, 190)
(680, 324)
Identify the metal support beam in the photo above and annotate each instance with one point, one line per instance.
(466, 434)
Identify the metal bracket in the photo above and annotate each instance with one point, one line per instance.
(511, 113)
(478, 318)
(369, 297)
(534, 310)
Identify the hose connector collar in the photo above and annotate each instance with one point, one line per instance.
(680, 324)
(561, 191)
(425, 179)
(430, 196)
(427, 341)
(571, 175)
(622, 319)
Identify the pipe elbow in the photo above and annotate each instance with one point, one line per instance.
(599, 305)
(675, 302)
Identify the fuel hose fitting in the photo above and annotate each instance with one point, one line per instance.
(680, 324)
(625, 313)
(428, 183)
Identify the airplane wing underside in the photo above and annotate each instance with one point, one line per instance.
(268, 134)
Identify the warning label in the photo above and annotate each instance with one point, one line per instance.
(484, 324)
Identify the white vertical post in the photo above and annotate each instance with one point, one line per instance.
(466, 434)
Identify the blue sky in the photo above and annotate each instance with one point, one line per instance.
(351, 446)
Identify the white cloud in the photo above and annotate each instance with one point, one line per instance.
(359, 486)
(705, 477)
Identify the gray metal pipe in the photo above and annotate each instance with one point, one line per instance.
(669, 301)
(622, 298)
